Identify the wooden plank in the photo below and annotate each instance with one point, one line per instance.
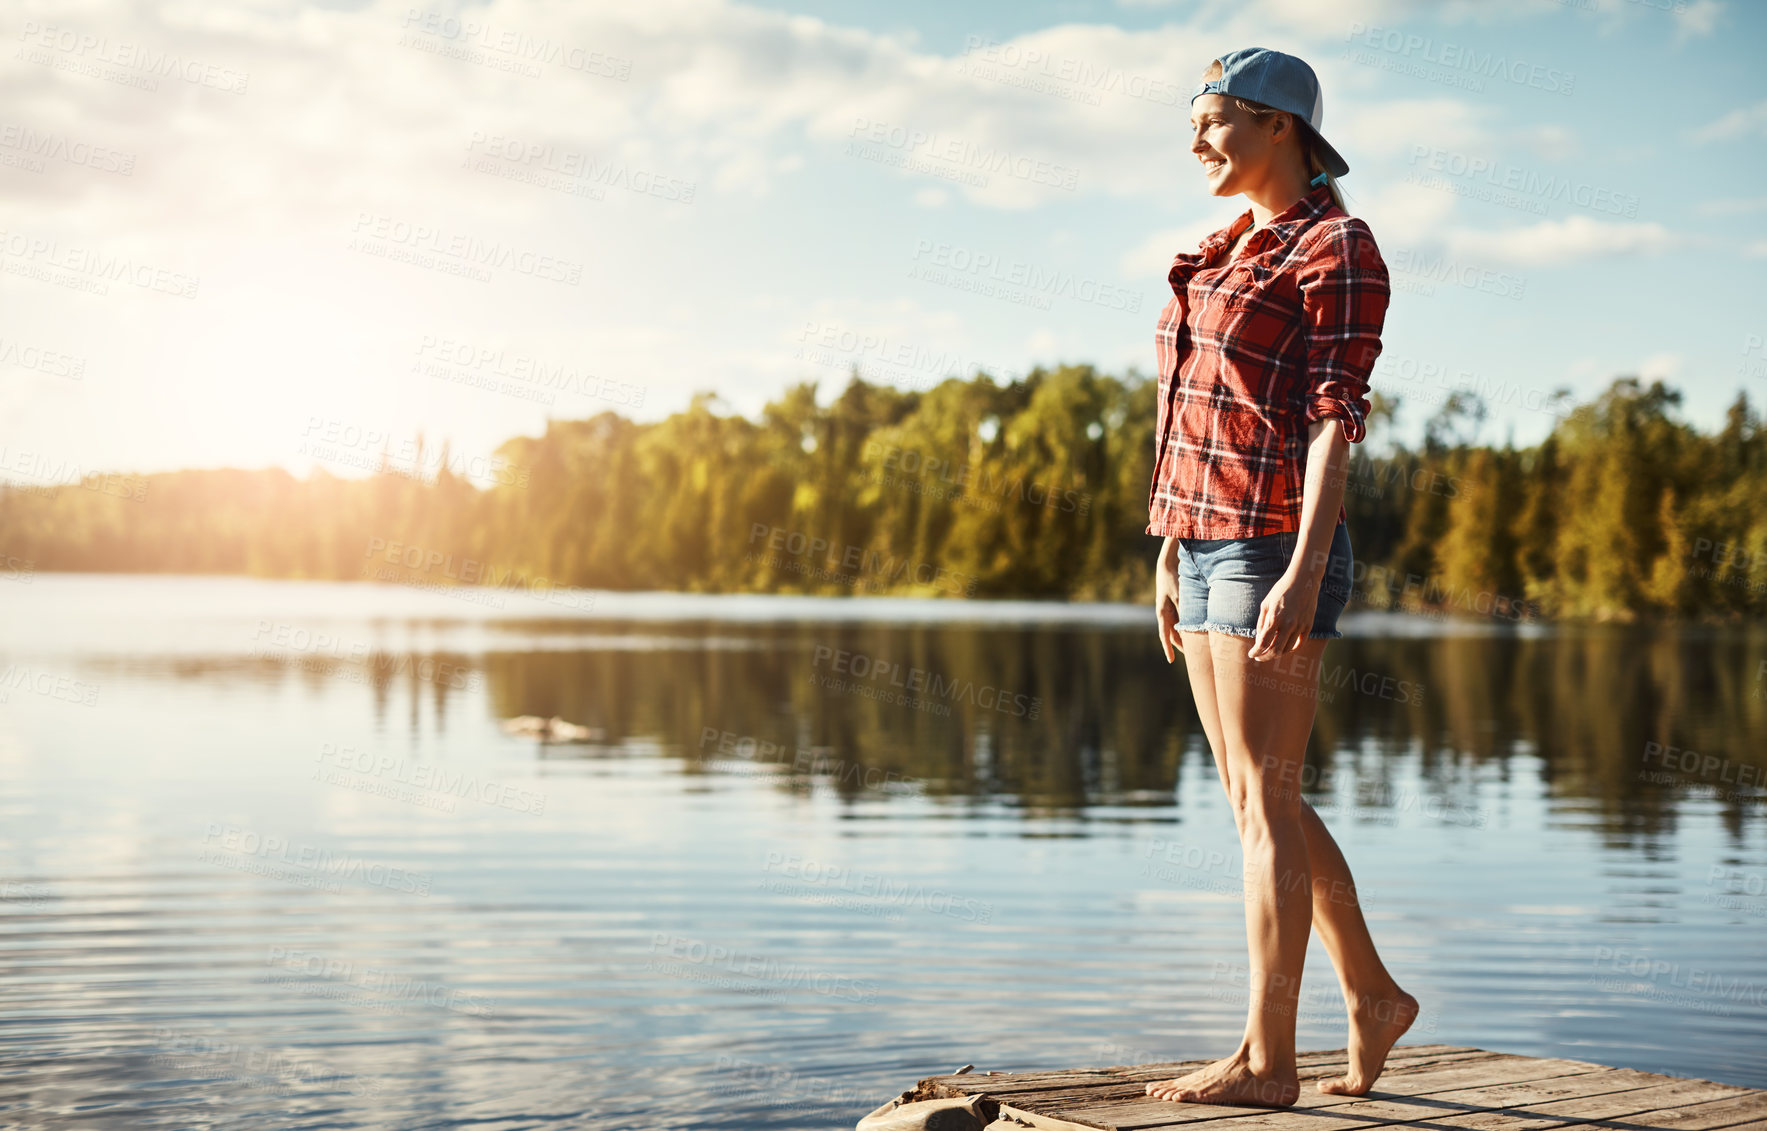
(1315, 1057)
(1133, 1082)
(1568, 1101)
(1659, 1108)
(1423, 1086)
(1311, 1064)
(1077, 1099)
(1136, 1111)
(1032, 1119)
(1560, 1102)
(1748, 1110)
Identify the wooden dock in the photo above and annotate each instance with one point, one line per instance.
(1424, 1087)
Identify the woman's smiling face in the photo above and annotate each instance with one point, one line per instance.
(1233, 148)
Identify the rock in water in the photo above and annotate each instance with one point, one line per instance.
(554, 729)
(959, 1114)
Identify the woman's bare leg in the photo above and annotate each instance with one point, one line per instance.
(1264, 721)
(1261, 1070)
(1379, 1010)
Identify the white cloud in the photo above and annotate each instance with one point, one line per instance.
(720, 95)
(895, 341)
(1331, 19)
(1326, 18)
(1732, 206)
(1403, 213)
(1152, 257)
(1743, 122)
(257, 192)
(1664, 366)
(1698, 18)
(1558, 242)
(1414, 131)
(1549, 142)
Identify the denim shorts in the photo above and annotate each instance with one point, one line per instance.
(1222, 582)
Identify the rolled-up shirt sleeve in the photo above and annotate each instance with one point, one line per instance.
(1344, 290)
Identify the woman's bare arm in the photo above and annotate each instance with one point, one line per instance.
(1283, 622)
(1328, 461)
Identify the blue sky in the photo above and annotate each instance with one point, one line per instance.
(273, 234)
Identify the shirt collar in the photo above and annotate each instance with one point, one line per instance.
(1282, 228)
(1284, 224)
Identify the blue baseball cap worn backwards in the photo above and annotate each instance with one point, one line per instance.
(1281, 82)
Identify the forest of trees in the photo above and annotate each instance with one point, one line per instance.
(1037, 488)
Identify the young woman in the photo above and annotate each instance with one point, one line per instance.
(1265, 350)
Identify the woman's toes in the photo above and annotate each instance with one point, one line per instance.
(1340, 1086)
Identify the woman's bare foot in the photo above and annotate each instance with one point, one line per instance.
(1375, 1025)
(1231, 1081)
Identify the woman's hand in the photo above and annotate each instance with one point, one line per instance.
(1165, 600)
(1285, 617)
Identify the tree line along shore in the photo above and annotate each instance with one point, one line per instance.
(1035, 488)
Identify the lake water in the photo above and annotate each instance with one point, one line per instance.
(271, 860)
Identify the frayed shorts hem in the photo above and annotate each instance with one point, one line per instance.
(1235, 630)
(1214, 626)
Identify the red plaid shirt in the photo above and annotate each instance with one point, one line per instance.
(1253, 351)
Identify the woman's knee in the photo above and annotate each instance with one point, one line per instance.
(1261, 801)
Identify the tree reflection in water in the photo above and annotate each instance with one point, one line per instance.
(1063, 718)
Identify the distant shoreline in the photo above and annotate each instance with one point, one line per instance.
(471, 603)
